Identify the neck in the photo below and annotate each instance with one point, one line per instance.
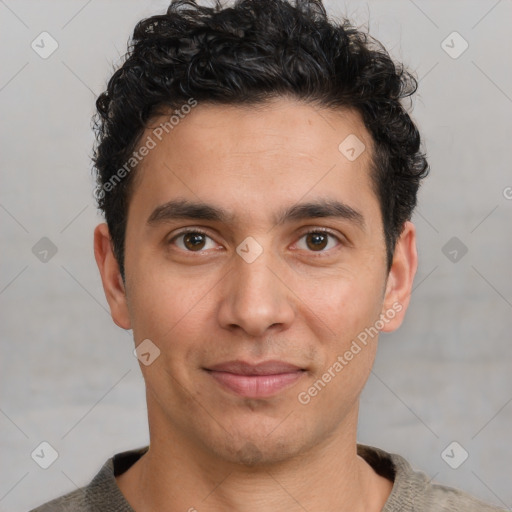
(177, 474)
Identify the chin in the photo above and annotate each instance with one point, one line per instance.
(252, 454)
(257, 446)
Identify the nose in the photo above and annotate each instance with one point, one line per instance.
(255, 297)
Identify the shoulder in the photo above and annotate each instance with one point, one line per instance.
(414, 490)
(441, 497)
(72, 502)
(102, 493)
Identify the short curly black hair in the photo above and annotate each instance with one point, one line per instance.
(245, 54)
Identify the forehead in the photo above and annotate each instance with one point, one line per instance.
(256, 158)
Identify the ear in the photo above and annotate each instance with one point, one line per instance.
(111, 277)
(400, 279)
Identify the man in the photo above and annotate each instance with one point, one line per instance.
(257, 172)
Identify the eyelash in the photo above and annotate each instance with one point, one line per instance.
(312, 231)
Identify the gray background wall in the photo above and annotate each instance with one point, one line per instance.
(68, 376)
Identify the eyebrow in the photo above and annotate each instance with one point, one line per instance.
(184, 209)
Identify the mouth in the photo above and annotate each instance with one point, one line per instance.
(260, 380)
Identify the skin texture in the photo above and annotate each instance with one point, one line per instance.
(210, 448)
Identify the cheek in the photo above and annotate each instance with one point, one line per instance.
(176, 313)
(162, 304)
(344, 323)
(340, 306)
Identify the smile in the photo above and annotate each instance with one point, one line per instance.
(256, 381)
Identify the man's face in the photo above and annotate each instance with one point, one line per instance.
(248, 310)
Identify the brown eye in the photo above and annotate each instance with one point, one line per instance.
(193, 241)
(318, 241)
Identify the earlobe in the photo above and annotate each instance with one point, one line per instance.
(400, 279)
(113, 284)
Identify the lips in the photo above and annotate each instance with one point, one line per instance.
(260, 380)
